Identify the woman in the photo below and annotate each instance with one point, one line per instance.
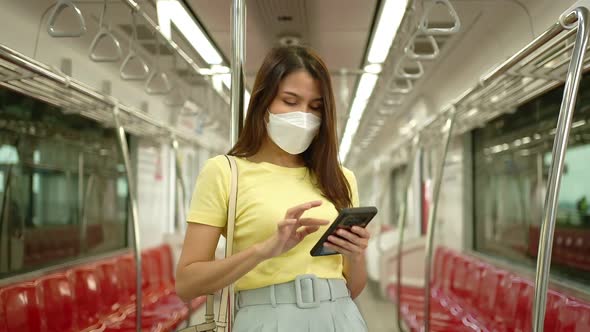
(290, 187)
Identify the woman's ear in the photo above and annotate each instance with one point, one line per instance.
(266, 115)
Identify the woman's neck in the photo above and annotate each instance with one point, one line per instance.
(271, 153)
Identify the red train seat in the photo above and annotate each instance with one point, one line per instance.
(21, 310)
(88, 296)
(59, 307)
(471, 295)
(98, 297)
(574, 317)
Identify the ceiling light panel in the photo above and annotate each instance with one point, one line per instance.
(173, 12)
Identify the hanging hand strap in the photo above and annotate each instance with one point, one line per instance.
(228, 292)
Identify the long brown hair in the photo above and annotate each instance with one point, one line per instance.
(321, 158)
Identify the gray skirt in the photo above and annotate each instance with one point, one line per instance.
(307, 304)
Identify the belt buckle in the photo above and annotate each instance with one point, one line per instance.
(298, 294)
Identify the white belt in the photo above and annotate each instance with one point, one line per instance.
(306, 291)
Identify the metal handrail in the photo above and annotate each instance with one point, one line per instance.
(104, 32)
(489, 79)
(157, 72)
(4, 216)
(101, 102)
(133, 55)
(237, 68)
(411, 53)
(423, 27)
(402, 89)
(179, 180)
(236, 101)
(402, 225)
(84, 213)
(432, 218)
(60, 5)
(403, 73)
(134, 212)
(558, 161)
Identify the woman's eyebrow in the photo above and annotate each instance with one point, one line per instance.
(298, 96)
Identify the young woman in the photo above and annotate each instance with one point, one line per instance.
(290, 189)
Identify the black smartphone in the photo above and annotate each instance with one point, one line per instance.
(348, 217)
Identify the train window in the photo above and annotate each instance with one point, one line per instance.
(63, 193)
(512, 155)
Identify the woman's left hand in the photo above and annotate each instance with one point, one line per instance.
(349, 243)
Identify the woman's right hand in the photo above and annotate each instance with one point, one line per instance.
(291, 230)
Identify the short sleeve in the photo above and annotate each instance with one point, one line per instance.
(353, 186)
(210, 195)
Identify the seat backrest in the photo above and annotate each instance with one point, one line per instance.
(21, 308)
(448, 272)
(439, 257)
(507, 301)
(490, 287)
(128, 274)
(88, 295)
(472, 283)
(574, 316)
(460, 276)
(3, 326)
(167, 266)
(57, 296)
(524, 307)
(150, 272)
(555, 301)
(112, 287)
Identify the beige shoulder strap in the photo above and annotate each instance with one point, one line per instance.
(228, 292)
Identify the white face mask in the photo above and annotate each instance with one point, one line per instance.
(293, 131)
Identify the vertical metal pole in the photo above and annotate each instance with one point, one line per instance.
(401, 222)
(379, 189)
(80, 184)
(4, 219)
(237, 68)
(180, 181)
(237, 95)
(7, 216)
(84, 213)
(134, 212)
(431, 219)
(81, 198)
(555, 172)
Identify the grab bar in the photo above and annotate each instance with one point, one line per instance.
(167, 85)
(402, 89)
(581, 10)
(180, 211)
(432, 217)
(105, 32)
(411, 53)
(134, 56)
(134, 209)
(60, 5)
(403, 73)
(158, 90)
(423, 27)
(84, 214)
(401, 221)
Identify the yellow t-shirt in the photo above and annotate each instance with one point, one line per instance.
(265, 192)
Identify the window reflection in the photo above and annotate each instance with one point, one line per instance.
(512, 157)
(63, 194)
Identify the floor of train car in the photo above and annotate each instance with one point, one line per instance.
(378, 313)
